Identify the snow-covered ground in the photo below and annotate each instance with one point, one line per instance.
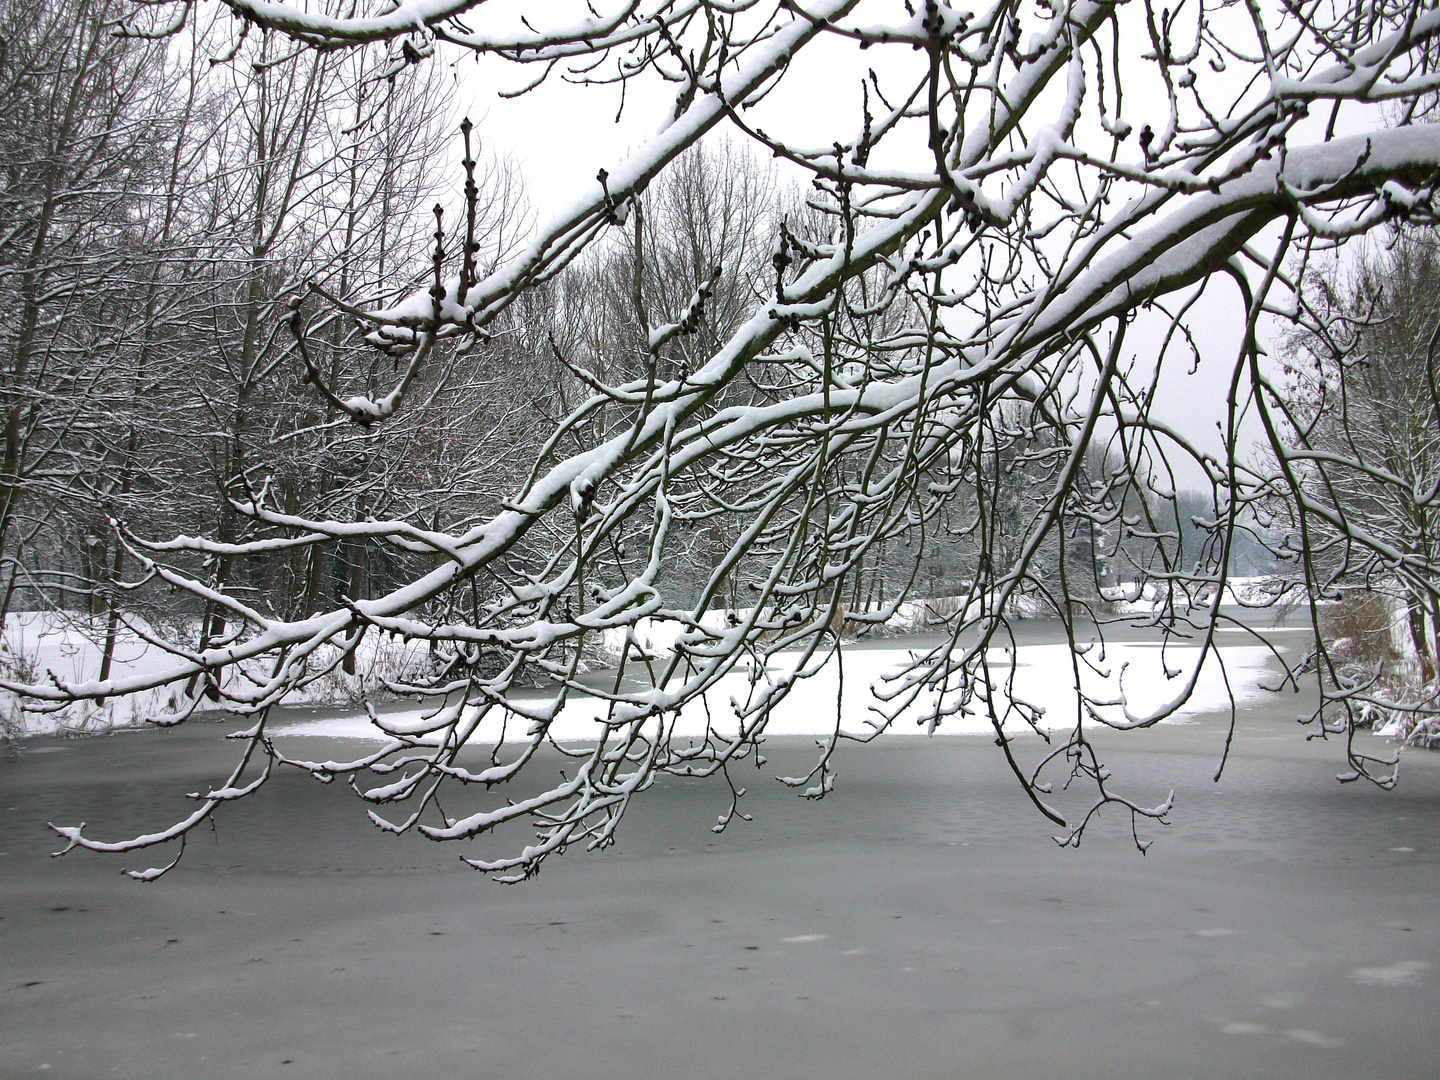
(1043, 677)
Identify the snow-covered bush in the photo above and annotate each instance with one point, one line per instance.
(1369, 652)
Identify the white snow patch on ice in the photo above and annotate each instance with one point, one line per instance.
(1405, 973)
(1314, 1038)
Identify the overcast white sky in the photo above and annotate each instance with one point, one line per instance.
(561, 135)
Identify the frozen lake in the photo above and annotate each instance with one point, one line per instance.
(919, 922)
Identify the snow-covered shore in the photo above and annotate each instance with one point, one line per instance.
(38, 645)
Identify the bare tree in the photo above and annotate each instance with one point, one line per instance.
(993, 220)
(76, 106)
(312, 179)
(1361, 427)
(699, 251)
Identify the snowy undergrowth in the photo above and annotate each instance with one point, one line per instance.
(1369, 642)
(1411, 728)
(37, 646)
